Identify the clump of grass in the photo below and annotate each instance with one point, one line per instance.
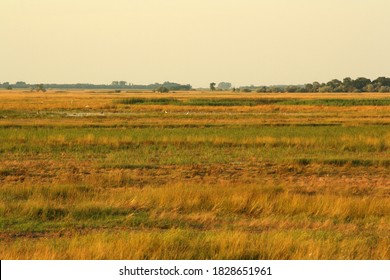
(48, 213)
(97, 212)
(7, 171)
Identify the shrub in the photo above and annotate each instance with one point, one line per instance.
(162, 90)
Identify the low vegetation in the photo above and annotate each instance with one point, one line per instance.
(259, 101)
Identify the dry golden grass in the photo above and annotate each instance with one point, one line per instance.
(184, 244)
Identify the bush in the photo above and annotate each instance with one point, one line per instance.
(261, 90)
(38, 88)
(384, 89)
(162, 90)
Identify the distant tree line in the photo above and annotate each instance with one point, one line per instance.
(114, 85)
(381, 84)
(221, 86)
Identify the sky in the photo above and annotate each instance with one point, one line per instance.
(260, 42)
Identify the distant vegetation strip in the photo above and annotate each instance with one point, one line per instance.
(118, 85)
(361, 84)
(254, 102)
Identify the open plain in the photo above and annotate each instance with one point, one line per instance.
(194, 175)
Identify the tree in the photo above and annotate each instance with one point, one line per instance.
(212, 86)
(40, 87)
(340, 88)
(347, 82)
(21, 85)
(176, 86)
(325, 89)
(383, 81)
(334, 84)
(316, 86)
(224, 85)
(162, 89)
(360, 83)
(261, 89)
(369, 88)
(309, 87)
(122, 83)
(384, 89)
(275, 89)
(292, 89)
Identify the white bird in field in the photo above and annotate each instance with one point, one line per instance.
(187, 113)
(166, 112)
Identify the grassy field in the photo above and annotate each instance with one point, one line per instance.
(197, 175)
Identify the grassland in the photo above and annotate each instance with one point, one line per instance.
(198, 175)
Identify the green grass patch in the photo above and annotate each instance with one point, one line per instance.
(96, 213)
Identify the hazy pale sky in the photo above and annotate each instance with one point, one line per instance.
(244, 42)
